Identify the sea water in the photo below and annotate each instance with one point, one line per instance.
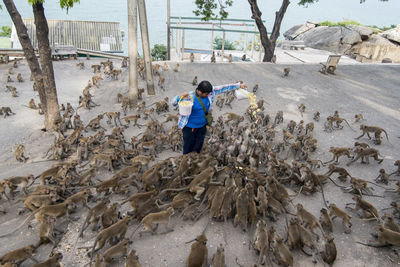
(372, 12)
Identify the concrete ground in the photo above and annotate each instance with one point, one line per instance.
(372, 90)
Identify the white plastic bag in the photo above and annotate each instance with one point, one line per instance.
(185, 106)
(242, 94)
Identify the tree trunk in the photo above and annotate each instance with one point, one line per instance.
(42, 32)
(267, 43)
(29, 52)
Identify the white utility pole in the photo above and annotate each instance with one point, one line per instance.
(146, 46)
(132, 50)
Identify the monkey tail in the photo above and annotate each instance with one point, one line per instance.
(387, 137)
(323, 196)
(340, 186)
(92, 253)
(349, 125)
(22, 224)
(374, 245)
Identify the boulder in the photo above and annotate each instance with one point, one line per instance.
(364, 32)
(295, 31)
(392, 34)
(376, 49)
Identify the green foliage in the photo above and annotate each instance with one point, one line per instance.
(5, 31)
(257, 42)
(340, 23)
(67, 4)
(206, 9)
(218, 44)
(385, 28)
(159, 52)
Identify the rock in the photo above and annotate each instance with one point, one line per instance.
(386, 60)
(364, 32)
(392, 34)
(351, 37)
(295, 31)
(376, 49)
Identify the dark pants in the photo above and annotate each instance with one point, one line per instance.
(193, 139)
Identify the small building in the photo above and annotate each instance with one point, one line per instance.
(88, 35)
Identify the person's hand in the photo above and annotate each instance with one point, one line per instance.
(184, 95)
(243, 86)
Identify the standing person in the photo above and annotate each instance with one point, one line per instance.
(194, 126)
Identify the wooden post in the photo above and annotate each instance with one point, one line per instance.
(223, 45)
(146, 46)
(169, 29)
(253, 42)
(132, 50)
(183, 44)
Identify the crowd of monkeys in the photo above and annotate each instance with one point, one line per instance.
(242, 174)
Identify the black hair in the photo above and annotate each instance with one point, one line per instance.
(205, 87)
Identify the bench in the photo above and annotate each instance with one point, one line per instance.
(330, 65)
(292, 45)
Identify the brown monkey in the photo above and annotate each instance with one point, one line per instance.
(194, 82)
(115, 116)
(80, 197)
(330, 252)
(294, 240)
(156, 218)
(286, 72)
(301, 108)
(309, 127)
(40, 110)
(278, 117)
(132, 260)
(19, 153)
(81, 65)
(369, 211)
(373, 129)
(364, 154)
(93, 215)
(176, 69)
(230, 58)
(338, 152)
(390, 223)
(255, 88)
(308, 219)
(397, 172)
(383, 177)
(358, 117)
(119, 249)
(234, 117)
(118, 229)
(213, 58)
(19, 78)
(218, 259)
(316, 116)
(110, 215)
(335, 211)
(46, 232)
(19, 255)
(191, 58)
(343, 173)
(198, 256)
(53, 261)
(6, 111)
(282, 252)
(32, 104)
(325, 220)
(361, 144)
(241, 209)
(385, 237)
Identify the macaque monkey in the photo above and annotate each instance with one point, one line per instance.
(230, 58)
(10, 71)
(255, 88)
(364, 154)
(6, 111)
(95, 68)
(124, 63)
(261, 242)
(53, 261)
(156, 218)
(309, 127)
(95, 123)
(19, 78)
(119, 97)
(81, 65)
(20, 181)
(192, 58)
(198, 256)
(9, 80)
(244, 57)
(115, 74)
(115, 116)
(241, 216)
(161, 82)
(34, 202)
(165, 67)
(286, 72)
(343, 173)
(218, 259)
(330, 252)
(390, 223)
(14, 92)
(32, 104)
(316, 116)
(278, 117)
(325, 220)
(46, 231)
(125, 103)
(234, 117)
(385, 237)
(93, 215)
(119, 249)
(302, 109)
(19, 153)
(335, 211)
(383, 177)
(132, 260)
(397, 172)
(282, 252)
(368, 210)
(117, 230)
(176, 69)
(308, 219)
(358, 117)
(194, 82)
(19, 255)
(338, 152)
(213, 58)
(373, 129)
(330, 120)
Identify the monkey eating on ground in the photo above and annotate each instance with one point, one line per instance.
(286, 72)
(383, 177)
(316, 116)
(19, 78)
(19, 153)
